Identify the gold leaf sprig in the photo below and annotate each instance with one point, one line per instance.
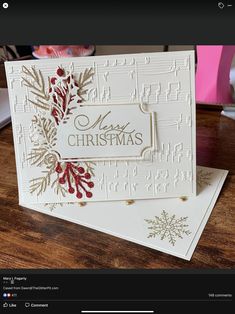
(84, 80)
(46, 128)
(37, 156)
(58, 188)
(90, 167)
(36, 83)
(40, 184)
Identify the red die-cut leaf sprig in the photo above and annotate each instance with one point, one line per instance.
(76, 178)
(64, 90)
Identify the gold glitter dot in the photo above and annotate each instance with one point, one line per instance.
(81, 204)
(184, 198)
(130, 202)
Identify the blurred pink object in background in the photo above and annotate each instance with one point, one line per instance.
(59, 51)
(213, 74)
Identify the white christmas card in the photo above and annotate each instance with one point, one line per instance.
(104, 128)
(172, 225)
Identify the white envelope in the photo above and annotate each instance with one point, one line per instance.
(172, 225)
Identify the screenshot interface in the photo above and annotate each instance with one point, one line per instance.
(117, 157)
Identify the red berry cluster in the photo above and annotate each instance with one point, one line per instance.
(81, 179)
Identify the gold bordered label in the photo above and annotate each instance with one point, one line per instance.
(107, 132)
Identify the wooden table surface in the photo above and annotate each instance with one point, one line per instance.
(33, 240)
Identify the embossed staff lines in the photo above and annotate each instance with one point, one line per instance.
(170, 65)
(22, 133)
(169, 153)
(130, 69)
(163, 66)
(110, 183)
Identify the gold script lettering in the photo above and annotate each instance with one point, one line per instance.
(82, 123)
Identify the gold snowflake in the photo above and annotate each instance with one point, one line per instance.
(203, 177)
(168, 227)
(52, 206)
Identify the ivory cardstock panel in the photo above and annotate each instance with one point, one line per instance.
(46, 98)
(172, 225)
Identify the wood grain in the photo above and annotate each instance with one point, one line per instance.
(32, 240)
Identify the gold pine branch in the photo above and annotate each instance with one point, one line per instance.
(59, 190)
(90, 167)
(37, 156)
(34, 80)
(40, 184)
(47, 129)
(84, 80)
